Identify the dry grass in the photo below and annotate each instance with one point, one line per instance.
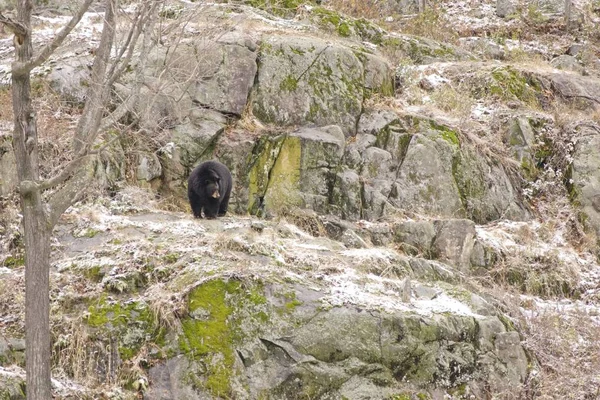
(545, 275)
(433, 24)
(6, 111)
(306, 220)
(370, 9)
(458, 102)
(567, 349)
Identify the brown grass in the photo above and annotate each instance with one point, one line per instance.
(567, 349)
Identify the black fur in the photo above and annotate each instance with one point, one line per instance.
(209, 188)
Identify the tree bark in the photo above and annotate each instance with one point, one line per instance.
(35, 222)
(40, 215)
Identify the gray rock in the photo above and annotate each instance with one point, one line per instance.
(574, 49)
(521, 138)
(486, 189)
(486, 48)
(379, 75)
(148, 167)
(377, 164)
(375, 120)
(226, 86)
(431, 270)
(567, 63)
(454, 241)
(194, 138)
(575, 87)
(426, 51)
(347, 200)
(169, 381)
(355, 149)
(305, 81)
(504, 8)
(352, 240)
(419, 234)
(426, 292)
(425, 182)
(70, 78)
(584, 174)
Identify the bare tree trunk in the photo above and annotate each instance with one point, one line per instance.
(37, 231)
(39, 214)
(37, 302)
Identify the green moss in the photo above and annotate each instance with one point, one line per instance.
(14, 261)
(288, 84)
(171, 258)
(256, 296)
(401, 396)
(510, 84)
(221, 314)
(281, 8)
(94, 273)
(90, 233)
(343, 29)
(132, 323)
(446, 133)
(283, 190)
(291, 306)
(211, 339)
(261, 162)
(297, 51)
(327, 16)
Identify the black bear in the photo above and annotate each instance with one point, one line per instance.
(209, 187)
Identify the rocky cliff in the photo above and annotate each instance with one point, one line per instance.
(414, 213)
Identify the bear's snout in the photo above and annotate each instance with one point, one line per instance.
(215, 194)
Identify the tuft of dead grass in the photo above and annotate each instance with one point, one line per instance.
(458, 102)
(433, 24)
(307, 220)
(546, 275)
(567, 349)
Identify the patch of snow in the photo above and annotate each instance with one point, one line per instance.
(443, 304)
(311, 246)
(373, 253)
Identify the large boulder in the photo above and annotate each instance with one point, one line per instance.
(584, 182)
(231, 66)
(425, 182)
(305, 80)
(295, 169)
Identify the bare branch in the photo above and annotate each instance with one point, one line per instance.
(128, 105)
(58, 39)
(70, 168)
(98, 91)
(133, 34)
(15, 27)
(69, 193)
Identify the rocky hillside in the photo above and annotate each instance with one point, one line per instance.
(415, 210)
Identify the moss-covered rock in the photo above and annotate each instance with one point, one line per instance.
(308, 81)
(423, 50)
(485, 188)
(295, 169)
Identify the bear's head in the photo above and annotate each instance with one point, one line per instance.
(212, 184)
